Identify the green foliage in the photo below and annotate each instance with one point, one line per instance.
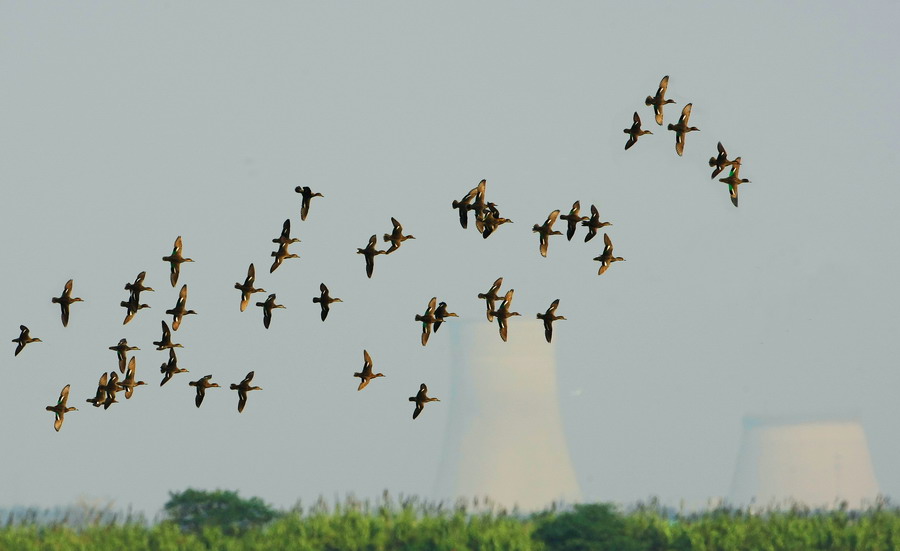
(593, 527)
(196, 510)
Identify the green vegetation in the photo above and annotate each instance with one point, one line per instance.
(221, 520)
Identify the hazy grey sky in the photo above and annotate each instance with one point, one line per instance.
(125, 124)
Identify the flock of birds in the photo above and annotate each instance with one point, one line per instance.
(487, 218)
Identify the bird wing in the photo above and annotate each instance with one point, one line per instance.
(721, 149)
(631, 141)
(679, 143)
(418, 410)
(551, 219)
(325, 309)
(396, 224)
(685, 114)
(64, 313)
(63, 396)
(544, 243)
(370, 264)
(548, 328)
(68, 288)
(177, 247)
(323, 288)
(242, 399)
(608, 246)
(367, 360)
(251, 275)
(553, 305)
(663, 85)
(286, 230)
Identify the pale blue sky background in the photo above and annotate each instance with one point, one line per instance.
(125, 124)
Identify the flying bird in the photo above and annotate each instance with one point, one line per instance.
(427, 320)
(366, 374)
(503, 314)
(635, 131)
(180, 310)
(324, 300)
(23, 339)
(132, 306)
(549, 317)
(421, 398)
(112, 386)
(166, 340)
(682, 128)
(572, 219)
(100, 397)
(307, 194)
(267, 307)
(463, 206)
(64, 300)
(606, 257)
(202, 384)
(243, 388)
(285, 237)
(546, 230)
(396, 236)
(128, 384)
(170, 368)
(491, 296)
(734, 180)
(247, 288)
(120, 350)
(370, 253)
(175, 260)
(280, 255)
(659, 100)
(440, 313)
(60, 409)
(138, 286)
(720, 161)
(594, 224)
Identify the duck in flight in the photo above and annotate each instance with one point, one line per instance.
(396, 237)
(606, 257)
(23, 339)
(120, 350)
(202, 384)
(593, 224)
(307, 194)
(427, 319)
(180, 310)
(64, 300)
(267, 307)
(128, 384)
(720, 161)
(681, 129)
(635, 131)
(324, 300)
(170, 368)
(166, 340)
(659, 100)
(100, 397)
(421, 398)
(491, 296)
(440, 313)
(572, 219)
(175, 261)
(734, 180)
(546, 230)
(132, 306)
(366, 374)
(243, 388)
(370, 252)
(247, 288)
(549, 317)
(60, 409)
(503, 314)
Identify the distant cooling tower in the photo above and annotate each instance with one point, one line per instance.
(815, 461)
(505, 438)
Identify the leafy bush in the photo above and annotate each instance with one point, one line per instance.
(194, 510)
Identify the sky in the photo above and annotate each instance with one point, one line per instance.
(124, 125)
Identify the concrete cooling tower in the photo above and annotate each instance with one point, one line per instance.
(505, 438)
(816, 461)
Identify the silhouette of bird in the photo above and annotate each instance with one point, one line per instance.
(370, 253)
(285, 237)
(593, 224)
(280, 255)
(606, 257)
(734, 180)
(175, 260)
(170, 368)
(720, 161)
(366, 374)
(112, 386)
(100, 397)
(120, 350)
(128, 384)
(179, 311)
(325, 300)
(572, 219)
(64, 300)
(440, 313)
(166, 340)
(307, 194)
(243, 388)
(503, 314)
(546, 230)
(23, 339)
(491, 220)
(138, 286)
(491, 296)
(60, 409)
(396, 236)
(421, 398)
(659, 99)
(132, 306)
(202, 384)
(681, 129)
(267, 307)
(634, 132)
(427, 320)
(549, 317)
(247, 288)
(463, 206)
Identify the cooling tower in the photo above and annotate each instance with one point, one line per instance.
(504, 437)
(816, 461)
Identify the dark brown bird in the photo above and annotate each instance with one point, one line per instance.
(64, 300)
(138, 286)
(421, 398)
(606, 257)
(720, 161)
(635, 131)
(681, 129)
(440, 313)
(170, 368)
(280, 255)
(593, 224)
(659, 99)
(202, 384)
(545, 230)
(463, 206)
(112, 386)
(60, 409)
(267, 307)
(366, 374)
(285, 237)
(175, 260)
(307, 197)
(166, 340)
(503, 314)
(572, 219)
(549, 317)
(243, 388)
(100, 397)
(247, 288)
(427, 320)
(23, 339)
(325, 300)
(370, 253)
(132, 306)
(734, 180)
(180, 310)
(128, 384)
(396, 236)
(491, 296)
(120, 350)
(491, 220)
